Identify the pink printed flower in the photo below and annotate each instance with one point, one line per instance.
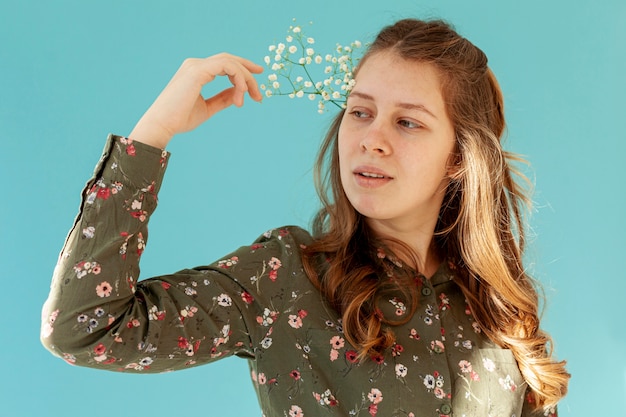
(373, 409)
(182, 342)
(274, 263)
(352, 356)
(337, 342)
(130, 150)
(295, 321)
(103, 289)
(397, 349)
(273, 275)
(295, 374)
(103, 193)
(295, 411)
(465, 366)
(379, 359)
(100, 349)
(334, 354)
(302, 313)
(375, 396)
(246, 297)
(262, 378)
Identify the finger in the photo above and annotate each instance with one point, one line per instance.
(251, 84)
(249, 65)
(220, 101)
(243, 81)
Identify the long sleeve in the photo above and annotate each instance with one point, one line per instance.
(99, 315)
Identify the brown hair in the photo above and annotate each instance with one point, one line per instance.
(480, 225)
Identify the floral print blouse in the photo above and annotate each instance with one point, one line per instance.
(257, 303)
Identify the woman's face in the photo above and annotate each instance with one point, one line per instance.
(395, 145)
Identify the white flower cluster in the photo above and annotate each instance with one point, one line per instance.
(299, 71)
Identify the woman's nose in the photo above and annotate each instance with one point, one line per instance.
(375, 140)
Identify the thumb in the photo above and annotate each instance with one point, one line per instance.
(220, 101)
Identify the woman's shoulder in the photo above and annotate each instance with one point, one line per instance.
(286, 235)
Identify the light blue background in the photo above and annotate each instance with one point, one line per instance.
(73, 71)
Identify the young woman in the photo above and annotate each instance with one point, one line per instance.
(409, 298)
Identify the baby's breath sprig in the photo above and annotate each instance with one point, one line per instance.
(299, 71)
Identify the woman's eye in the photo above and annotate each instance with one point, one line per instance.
(409, 124)
(359, 114)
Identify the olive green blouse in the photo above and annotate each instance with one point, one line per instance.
(257, 303)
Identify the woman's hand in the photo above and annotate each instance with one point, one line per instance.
(180, 107)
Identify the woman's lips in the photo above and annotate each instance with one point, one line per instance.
(371, 177)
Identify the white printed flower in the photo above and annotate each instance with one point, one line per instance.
(401, 370)
(293, 49)
(310, 41)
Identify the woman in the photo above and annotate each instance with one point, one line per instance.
(410, 298)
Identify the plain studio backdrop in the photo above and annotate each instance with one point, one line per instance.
(73, 71)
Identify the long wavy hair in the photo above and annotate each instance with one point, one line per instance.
(480, 227)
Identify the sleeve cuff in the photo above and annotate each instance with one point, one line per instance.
(132, 162)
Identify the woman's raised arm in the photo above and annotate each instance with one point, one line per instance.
(181, 107)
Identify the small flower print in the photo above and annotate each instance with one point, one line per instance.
(401, 370)
(334, 355)
(465, 366)
(188, 311)
(337, 342)
(268, 317)
(89, 232)
(100, 349)
(489, 365)
(295, 321)
(224, 300)
(375, 396)
(246, 297)
(399, 305)
(326, 398)
(507, 383)
(352, 356)
(266, 342)
(261, 378)
(437, 346)
(295, 374)
(397, 350)
(274, 263)
(103, 193)
(103, 289)
(295, 411)
(227, 263)
(429, 382)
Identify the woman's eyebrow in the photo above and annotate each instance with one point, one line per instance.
(408, 106)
